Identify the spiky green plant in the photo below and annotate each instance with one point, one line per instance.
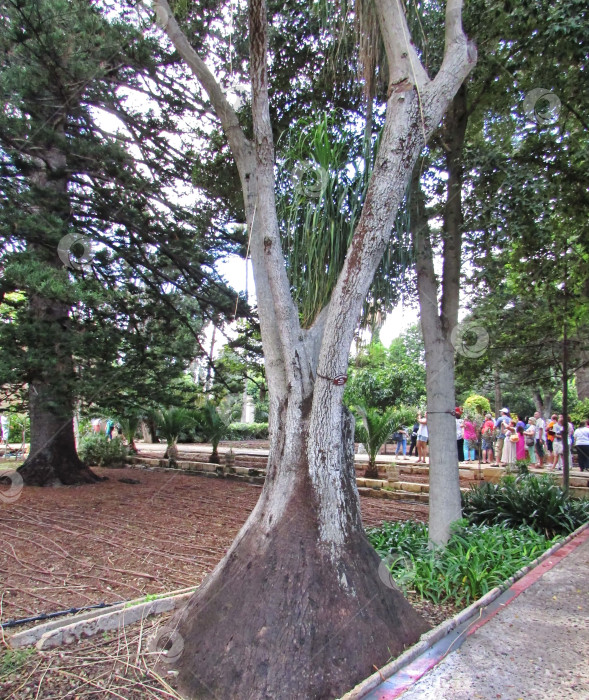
(322, 186)
(527, 500)
(129, 425)
(213, 426)
(172, 422)
(373, 431)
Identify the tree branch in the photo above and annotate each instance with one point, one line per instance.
(224, 111)
(405, 68)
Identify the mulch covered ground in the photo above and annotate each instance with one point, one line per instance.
(80, 545)
(76, 546)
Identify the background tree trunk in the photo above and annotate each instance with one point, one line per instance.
(52, 457)
(437, 326)
(582, 377)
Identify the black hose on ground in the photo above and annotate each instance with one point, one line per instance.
(48, 616)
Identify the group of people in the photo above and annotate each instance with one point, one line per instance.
(504, 440)
(418, 439)
(508, 439)
(108, 429)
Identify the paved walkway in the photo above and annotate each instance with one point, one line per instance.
(532, 643)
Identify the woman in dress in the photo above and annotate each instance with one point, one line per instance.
(520, 445)
(508, 455)
(530, 436)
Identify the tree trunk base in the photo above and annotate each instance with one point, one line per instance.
(285, 617)
(46, 468)
(371, 473)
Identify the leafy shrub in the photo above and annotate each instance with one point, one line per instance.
(580, 413)
(527, 500)
(96, 450)
(16, 423)
(476, 404)
(213, 427)
(476, 559)
(172, 422)
(248, 431)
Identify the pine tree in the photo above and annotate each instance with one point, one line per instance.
(92, 233)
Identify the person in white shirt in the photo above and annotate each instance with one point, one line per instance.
(581, 437)
(540, 436)
(422, 436)
(558, 444)
(4, 424)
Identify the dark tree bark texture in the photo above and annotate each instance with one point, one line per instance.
(280, 595)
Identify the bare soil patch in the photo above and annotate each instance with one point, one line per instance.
(81, 545)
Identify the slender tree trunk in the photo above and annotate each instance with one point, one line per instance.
(539, 403)
(145, 432)
(582, 377)
(437, 326)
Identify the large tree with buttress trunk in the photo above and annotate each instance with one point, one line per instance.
(296, 609)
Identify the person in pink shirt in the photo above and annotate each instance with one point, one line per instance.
(470, 439)
(487, 430)
(520, 447)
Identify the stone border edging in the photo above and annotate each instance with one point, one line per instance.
(66, 631)
(430, 638)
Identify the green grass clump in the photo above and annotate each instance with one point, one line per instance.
(527, 500)
(476, 559)
(11, 660)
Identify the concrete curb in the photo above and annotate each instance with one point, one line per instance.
(68, 630)
(430, 638)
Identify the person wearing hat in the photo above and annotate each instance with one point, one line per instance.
(500, 424)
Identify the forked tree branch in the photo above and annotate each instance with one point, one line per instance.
(284, 309)
(405, 67)
(224, 111)
(243, 152)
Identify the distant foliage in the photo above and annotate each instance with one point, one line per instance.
(17, 423)
(248, 431)
(527, 500)
(96, 450)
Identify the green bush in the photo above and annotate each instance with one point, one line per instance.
(527, 500)
(476, 405)
(580, 413)
(476, 559)
(16, 423)
(248, 431)
(96, 450)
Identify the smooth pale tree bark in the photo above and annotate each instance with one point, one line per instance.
(438, 321)
(297, 608)
(543, 404)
